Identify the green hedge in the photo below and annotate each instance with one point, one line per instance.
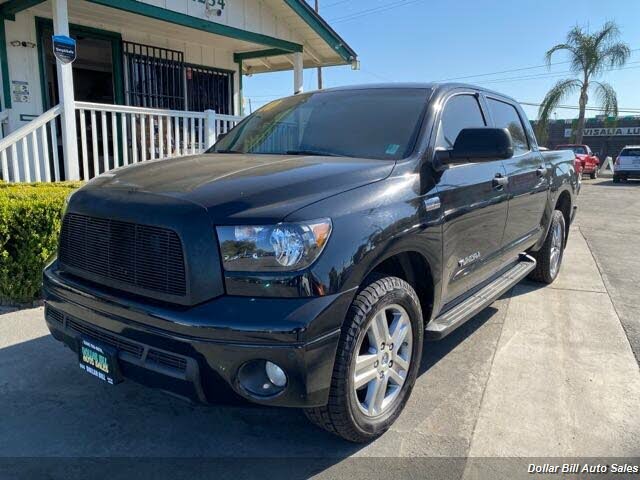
(30, 217)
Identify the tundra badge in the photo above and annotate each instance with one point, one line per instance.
(463, 262)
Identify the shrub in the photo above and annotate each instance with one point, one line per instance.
(30, 218)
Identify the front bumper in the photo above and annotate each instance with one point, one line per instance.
(198, 352)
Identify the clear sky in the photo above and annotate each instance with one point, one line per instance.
(426, 40)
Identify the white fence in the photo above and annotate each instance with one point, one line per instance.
(110, 136)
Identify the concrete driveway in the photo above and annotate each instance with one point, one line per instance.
(543, 372)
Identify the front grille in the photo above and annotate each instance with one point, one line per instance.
(150, 258)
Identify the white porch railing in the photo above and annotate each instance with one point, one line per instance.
(109, 136)
(25, 154)
(112, 136)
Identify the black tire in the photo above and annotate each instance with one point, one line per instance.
(616, 179)
(342, 415)
(544, 271)
(594, 174)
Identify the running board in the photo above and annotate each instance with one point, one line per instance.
(446, 323)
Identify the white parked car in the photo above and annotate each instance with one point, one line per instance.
(627, 165)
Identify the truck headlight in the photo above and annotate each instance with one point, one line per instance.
(281, 247)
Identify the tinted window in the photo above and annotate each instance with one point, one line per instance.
(506, 116)
(461, 111)
(374, 123)
(630, 152)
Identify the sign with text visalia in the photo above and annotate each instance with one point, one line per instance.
(64, 48)
(606, 132)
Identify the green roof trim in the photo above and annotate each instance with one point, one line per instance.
(158, 13)
(271, 52)
(322, 28)
(9, 9)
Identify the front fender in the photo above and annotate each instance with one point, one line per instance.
(371, 224)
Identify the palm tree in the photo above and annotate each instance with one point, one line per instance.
(589, 56)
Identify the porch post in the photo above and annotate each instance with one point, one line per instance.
(210, 129)
(65, 92)
(298, 77)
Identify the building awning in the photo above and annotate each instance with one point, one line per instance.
(306, 31)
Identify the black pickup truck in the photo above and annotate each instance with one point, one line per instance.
(304, 259)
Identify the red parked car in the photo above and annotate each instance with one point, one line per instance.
(589, 163)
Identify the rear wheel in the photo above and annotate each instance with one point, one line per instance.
(549, 257)
(616, 179)
(376, 363)
(594, 174)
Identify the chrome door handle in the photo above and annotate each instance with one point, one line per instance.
(500, 181)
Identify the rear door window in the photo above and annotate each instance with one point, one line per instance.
(506, 116)
(460, 111)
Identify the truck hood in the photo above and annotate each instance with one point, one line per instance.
(246, 188)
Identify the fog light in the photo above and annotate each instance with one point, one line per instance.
(276, 374)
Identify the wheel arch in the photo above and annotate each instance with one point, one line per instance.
(563, 204)
(414, 268)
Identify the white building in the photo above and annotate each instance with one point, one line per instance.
(152, 78)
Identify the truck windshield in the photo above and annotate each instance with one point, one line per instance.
(369, 123)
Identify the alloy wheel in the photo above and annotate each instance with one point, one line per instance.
(556, 248)
(383, 359)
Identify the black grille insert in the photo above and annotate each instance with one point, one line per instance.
(166, 359)
(53, 315)
(113, 340)
(147, 257)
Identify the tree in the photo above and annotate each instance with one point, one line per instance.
(589, 56)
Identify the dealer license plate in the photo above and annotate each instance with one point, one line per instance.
(99, 360)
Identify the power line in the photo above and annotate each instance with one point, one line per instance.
(371, 11)
(573, 107)
(551, 75)
(335, 3)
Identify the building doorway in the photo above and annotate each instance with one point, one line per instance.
(96, 71)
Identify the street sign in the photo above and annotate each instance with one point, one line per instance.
(64, 48)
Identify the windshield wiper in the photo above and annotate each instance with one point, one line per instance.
(314, 153)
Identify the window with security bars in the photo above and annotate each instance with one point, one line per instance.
(209, 89)
(159, 78)
(154, 77)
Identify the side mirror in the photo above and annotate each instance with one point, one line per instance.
(479, 145)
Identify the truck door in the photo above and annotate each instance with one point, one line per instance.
(474, 202)
(528, 179)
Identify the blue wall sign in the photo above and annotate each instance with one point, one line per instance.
(64, 48)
